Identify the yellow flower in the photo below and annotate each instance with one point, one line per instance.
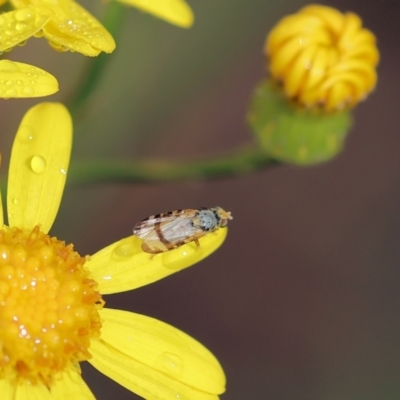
(176, 12)
(51, 307)
(64, 23)
(20, 80)
(323, 58)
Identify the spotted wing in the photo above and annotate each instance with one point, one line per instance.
(167, 231)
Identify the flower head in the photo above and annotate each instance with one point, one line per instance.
(323, 58)
(52, 314)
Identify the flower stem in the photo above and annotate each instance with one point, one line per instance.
(96, 66)
(243, 161)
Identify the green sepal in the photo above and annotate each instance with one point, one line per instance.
(294, 135)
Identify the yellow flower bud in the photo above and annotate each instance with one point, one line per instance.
(323, 58)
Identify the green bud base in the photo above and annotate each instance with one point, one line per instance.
(294, 135)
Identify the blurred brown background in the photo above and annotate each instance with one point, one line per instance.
(302, 301)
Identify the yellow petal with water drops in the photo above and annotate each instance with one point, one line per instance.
(73, 28)
(19, 25)
(141, 379)
(71, 386)
(164, 348)
(124, 266)
(18, 80)
(26, 391)
(176, 12)
(38, 166)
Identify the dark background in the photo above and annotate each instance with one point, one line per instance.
(302, 300)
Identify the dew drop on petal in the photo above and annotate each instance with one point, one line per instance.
(38, 164)
(28, 91)
(170, 363)
(24, 14)
(181, 257)
(15, 201)
(123, 251)
(10, 93)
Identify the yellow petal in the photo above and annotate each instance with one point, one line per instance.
(19, 25)
(22, 80)
(331, 17)
(7, 389)
(287, 53)
(31, 392)
(290, 27)
(317, 72)
(139, 378)
(124, 266)
(299, 70)
(164, 348)
(1, 212)
(73, 28)
(71, 386)
(176, 12)
(38, 166)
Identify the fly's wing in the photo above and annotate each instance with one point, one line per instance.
(146, 227)
(167, 231)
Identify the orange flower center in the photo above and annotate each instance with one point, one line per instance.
(48, 306)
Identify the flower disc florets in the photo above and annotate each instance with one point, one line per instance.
(323, 58)
(48, 307)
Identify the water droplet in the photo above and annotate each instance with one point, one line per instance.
(15, 201)
(181, 257)
(10, 93)
(28, 91)
(25, 134)
(38, 164)
(33, 82)
(170, 363)
(10, 83)
(23, 15)
(20, 26)
(125, 250)
(63, 171)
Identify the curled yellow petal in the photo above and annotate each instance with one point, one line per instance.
(38, 166)
(176, 12)
(73, 28)
(164, 348)
(19, 25)
(124, 266)
(311, 52)
(18, 80)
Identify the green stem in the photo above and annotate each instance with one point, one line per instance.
(96, 66)
(241, 162)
